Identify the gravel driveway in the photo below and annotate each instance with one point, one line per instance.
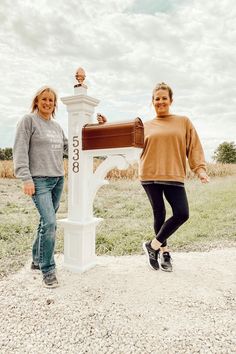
(122, 306)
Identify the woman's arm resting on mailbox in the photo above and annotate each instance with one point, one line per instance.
(101, 118)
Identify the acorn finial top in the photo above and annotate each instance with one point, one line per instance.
(80, 77)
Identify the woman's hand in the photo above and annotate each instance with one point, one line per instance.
(29, 188)
(204, 178)
(101, 119)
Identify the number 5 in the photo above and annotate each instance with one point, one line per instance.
(75, 141)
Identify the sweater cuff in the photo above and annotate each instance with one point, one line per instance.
(200, 170)
(27, 180)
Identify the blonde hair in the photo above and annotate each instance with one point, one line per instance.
(34, 105)
(162, 86)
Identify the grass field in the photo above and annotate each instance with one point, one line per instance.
(213, 170)
(127, 219)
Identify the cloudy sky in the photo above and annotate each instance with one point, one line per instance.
(125, 47)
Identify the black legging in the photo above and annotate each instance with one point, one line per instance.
(177, 198)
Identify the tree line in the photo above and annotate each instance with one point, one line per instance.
(6, 154)
(224, 153)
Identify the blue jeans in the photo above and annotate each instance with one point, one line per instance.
(47, 196)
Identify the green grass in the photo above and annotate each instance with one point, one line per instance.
(127, 220)
(128, 217)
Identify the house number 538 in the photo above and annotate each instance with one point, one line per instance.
(75, 166)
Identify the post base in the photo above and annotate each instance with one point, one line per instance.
(79, 244)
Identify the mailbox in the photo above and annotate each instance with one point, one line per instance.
(113, 135)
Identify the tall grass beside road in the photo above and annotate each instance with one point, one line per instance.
(127, 219)
(213, 169)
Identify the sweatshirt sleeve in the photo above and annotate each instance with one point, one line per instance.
(194, 150)
(65, 144)
(21, 149)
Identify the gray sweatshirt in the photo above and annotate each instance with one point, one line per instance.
(38, 148)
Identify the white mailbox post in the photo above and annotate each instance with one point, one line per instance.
(83, 183)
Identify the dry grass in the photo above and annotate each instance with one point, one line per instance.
(6, 169)
(221, 170)
(213, 169)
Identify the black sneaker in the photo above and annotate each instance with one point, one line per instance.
(152, 255)
(165, 262)
(34, 266)
(50, 281)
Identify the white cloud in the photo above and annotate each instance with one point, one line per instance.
(126, 47)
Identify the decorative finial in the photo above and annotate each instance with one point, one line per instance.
(80, 77)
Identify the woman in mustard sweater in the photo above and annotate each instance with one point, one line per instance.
(168, 140)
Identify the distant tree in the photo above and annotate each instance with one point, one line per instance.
(6, 154)
(225, 153)
(2, 154)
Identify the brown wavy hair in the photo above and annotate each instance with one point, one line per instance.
(162, 86)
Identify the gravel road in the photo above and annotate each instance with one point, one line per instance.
(122, 306)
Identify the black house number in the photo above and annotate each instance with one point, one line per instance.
(75, 166)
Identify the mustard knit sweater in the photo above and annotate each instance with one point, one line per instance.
(168, 140)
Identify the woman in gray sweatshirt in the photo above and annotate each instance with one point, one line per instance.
(38, 161)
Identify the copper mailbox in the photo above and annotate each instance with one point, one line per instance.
(113, 135)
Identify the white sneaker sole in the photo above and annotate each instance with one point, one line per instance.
(146, 252)
(166, 270)
(53, 286)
